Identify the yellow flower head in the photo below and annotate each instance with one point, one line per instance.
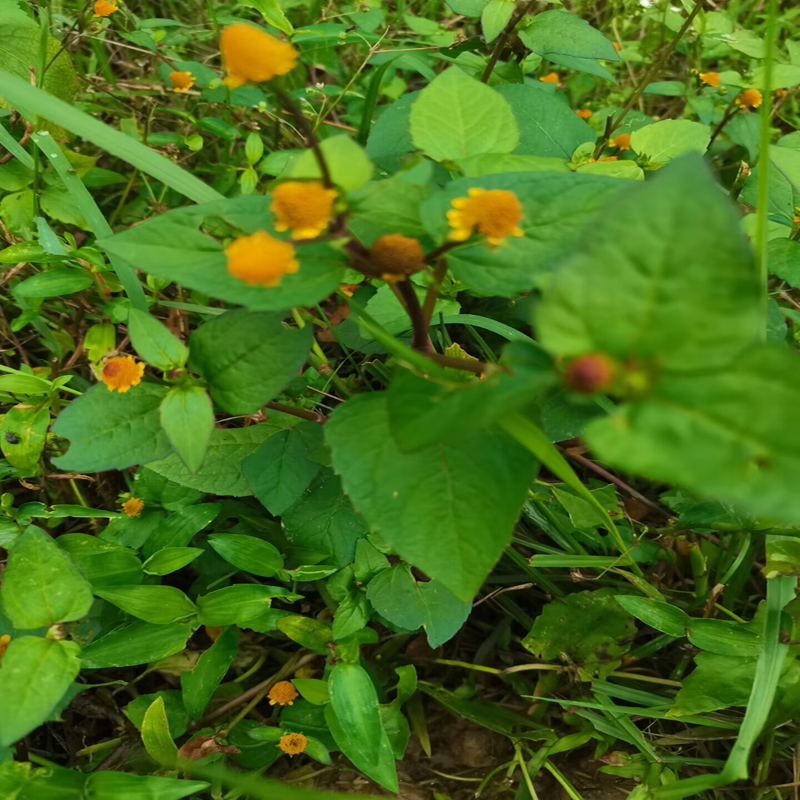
(623, 141)
(284, 694)
(122, 373)
(103, 8)
(302, 208)
(749, 98)
(133, 507)
(251, 55)
(181, 81)
(293, 743)
(495, 214)
(709, 78)
(551, 77)
(397, 256)
(617, 46)
(797, 216)
(261, 259)
(584, 113)
(4, 642)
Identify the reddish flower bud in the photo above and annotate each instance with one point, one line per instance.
(593, 372)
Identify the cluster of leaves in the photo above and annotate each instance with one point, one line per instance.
(313, 477)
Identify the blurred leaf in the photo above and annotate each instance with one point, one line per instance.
(199, 684)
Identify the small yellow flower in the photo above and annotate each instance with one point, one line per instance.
(5, 639)
(749, 98)
(617, 46)
(103, 8)
(293, 743)
(251, 55)
(181, 81)
(623, 141)
(261, 259)
(133, 507)
(303, 208)
(495, 214)
(584, 113)
(122, 373)
(797, 216)
(284, 694)
(551, 77)
(709, 78)
(397, 256)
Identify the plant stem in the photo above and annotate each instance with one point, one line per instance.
(729, 112)
(419, 340)
(311, 416)
(503, 38)
(432, 294)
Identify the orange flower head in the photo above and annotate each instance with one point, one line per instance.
(251, 55)
(749, 98)
(284, 694)
(591, 373)
(494, 213)
(261, 259)
(551, 77)
(5, 639)
(584, 113)
(122, 373)
(709, 78)
(623, 141)
(181, 81)
(397, 256)
(293, 743)
(103, 8)
(617, 46)
(133, 507)
(302, 208)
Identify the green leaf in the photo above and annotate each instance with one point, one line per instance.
(41, 585)
(108, 785)
(221, 470)
(670, 138)
(247, 357)
(448, 508)
(239, 604)
(547, 126)
(389, 139)
(323, 520)
(410, 604)
(279, 471)
(173, 706)
(157, 604)
(181, 527)
(171, 559)
(783, 558)
(272, 13)
(352, 615)
(661, 616)
(248, 553)
(23, 432)
(787, 161)
(585, 628)
(456, 117)
(104, 564)
(154, 343)
(561, 33)
(109, 430)
(156, 737)
(54, 283)
(642, 257)
(725, 637)
(494, 17)
(199, 684)
(35, 674)
(313, 690)
(355, 722)
(309, 633)
(348, 163)
(187, 418)
(139, 643)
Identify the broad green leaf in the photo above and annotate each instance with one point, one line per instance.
(457, 116)
(247, 357)
(272, 13)
(389, 139)
(154, 343)
(221, 470)
(313, 690)
(643, 257)
(279, 471)
(588, 65)
(628, 170)
(783, 558)
(492, 164)
(173, 706)
(787, 162)
(670, 138)
(54, 283)
(109, 430)
(355, 722)
(323, 520)
(157, 604)
(661, 616)
(352, 615)
(239, 604)
(23, 432)
(547, 126)
(561, 33)
(411, 604)
(348, 163)
(35, 674)
(41, 585)
(725, 637)
(380, 207)
(248, 553)
(199, 684)
(171, 559)
(139, 643)
(156, 737)
(309, 633)
(494, 17)
(109, 785)
(447, 508)
(187, 418)
(181, 527)
(104, 564)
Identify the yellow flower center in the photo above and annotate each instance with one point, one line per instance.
(182, 81)
(251, 55)
(623, 141)
(293, 743)
(551, 77)
(133, 507)
(122, 373)
(103, 8)
(584, 113)
(494, 214)
(5, 639)
(709, 78)
(302, 208)
(749, 98)
(261, 259)
(617, 46)
(397, 256)
(283, 693)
